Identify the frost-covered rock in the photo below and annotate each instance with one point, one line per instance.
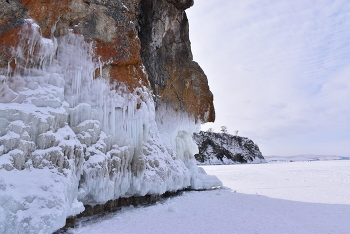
(223, 148)
(75, 130)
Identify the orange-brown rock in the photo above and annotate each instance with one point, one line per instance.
(45, 12)
(11, 21)
(129, 38)
(166, 53)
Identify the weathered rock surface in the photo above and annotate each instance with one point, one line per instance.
(110, 26)
(223, 148)
(178, 82)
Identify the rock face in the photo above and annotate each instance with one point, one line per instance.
(223, 148)
(178, 82)
(100, 98)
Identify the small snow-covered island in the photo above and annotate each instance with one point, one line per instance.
(224, 148)
(98, 101)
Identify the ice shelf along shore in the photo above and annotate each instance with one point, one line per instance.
(68, 137)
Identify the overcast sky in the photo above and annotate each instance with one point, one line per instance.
(279, 71)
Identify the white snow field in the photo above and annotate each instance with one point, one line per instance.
(291, 197)
(304, 157)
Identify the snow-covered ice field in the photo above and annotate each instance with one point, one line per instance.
(293, 197)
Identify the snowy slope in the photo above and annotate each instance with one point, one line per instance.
(223, 148)
(68, 138)
(264, 198)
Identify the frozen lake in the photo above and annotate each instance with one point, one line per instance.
(293, 197)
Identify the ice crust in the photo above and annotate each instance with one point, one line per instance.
(68, 138)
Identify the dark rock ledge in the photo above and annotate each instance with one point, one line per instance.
(117, 204)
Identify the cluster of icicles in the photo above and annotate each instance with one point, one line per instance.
(86, 142)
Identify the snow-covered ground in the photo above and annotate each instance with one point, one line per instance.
(305, 157)
(293, 197)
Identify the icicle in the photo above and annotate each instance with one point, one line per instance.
(9, 69)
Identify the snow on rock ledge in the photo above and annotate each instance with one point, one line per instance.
(69, 137)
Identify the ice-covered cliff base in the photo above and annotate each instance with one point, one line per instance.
(68, 137)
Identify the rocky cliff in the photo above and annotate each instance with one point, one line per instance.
(98, 100)
(178, 82)
(125, 36)
(223, 148)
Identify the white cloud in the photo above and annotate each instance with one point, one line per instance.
(279, 71)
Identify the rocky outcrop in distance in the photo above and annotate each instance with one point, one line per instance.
(223, 148)
(98, 101)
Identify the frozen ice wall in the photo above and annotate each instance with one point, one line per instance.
(68, 138)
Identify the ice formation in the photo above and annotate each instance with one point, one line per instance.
(69, 137)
